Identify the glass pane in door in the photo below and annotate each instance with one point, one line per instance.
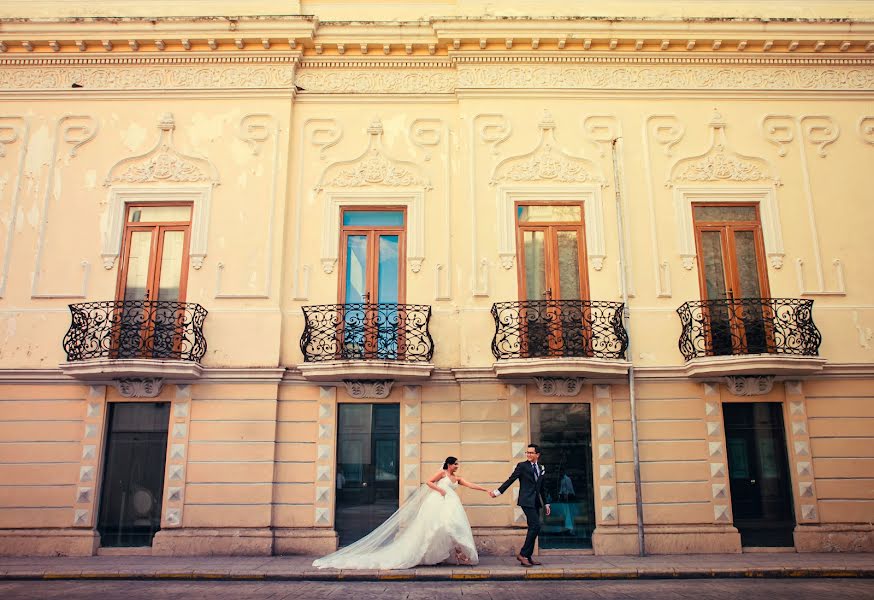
(133, 315)
(354, 317)
(139, 253)
(714, 265)
(133, 477)
(172, 255)
(166, 318)
(388, 286)
(717, 314)
(755, 313)
(564, 433)
(568, 265)
(534, 243)
(368, 463)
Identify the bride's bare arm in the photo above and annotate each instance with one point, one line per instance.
(432, 483)
(472, 486)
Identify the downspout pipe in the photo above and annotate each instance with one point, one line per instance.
(626, 317)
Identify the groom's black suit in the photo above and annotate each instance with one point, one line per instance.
(530, 500)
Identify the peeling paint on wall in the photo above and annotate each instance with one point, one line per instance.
(134, 136)
(91, 179)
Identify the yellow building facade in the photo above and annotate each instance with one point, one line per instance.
(265, 264)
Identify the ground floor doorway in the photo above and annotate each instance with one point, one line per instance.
(564, 433)
(758, 466)
(368, 468)
(133, 474)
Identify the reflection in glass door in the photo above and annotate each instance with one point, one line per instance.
(564, 433)
(761, 493)
(133, 473)
(368, 467)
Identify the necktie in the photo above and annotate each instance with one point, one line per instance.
(536, 471)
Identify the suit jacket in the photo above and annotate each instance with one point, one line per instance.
(530, 490)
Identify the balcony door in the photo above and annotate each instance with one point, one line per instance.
(733, 277)
(551, 255)
(372, 282)
(152, 279)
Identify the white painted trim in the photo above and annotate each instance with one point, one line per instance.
(200, 197)
(769, 213)
(593, 213)
(413, 200)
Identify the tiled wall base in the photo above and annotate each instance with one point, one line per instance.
(834, 538)
(231, 541)
(48, 542)
(315, 542)
(498, 541)
(673, 539)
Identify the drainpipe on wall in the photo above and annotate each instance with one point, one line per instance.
(626, 314)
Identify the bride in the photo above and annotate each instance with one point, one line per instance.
(429, 528)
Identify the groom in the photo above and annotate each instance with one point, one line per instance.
(530, 476)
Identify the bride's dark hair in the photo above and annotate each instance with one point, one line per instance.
(450, 460)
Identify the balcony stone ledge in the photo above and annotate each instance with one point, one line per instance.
(338, 370)
(107, 369)
(754, 364)
(590, 368)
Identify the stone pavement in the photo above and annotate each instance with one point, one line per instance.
(299, 568)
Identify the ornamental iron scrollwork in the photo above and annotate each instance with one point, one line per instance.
(559, 329)
(150, 329)
(748, 326)
(397, 332)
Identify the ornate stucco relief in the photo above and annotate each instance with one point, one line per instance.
(376, 81)
(548, 173)
(373, 178)
(720, 163)
(665, 77)
(145, 178)
(147, 77)
(75, 131)
(163, 163)
(819, 131)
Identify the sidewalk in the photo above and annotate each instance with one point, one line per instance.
(299, 568)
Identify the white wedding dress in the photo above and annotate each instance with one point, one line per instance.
(426, 530)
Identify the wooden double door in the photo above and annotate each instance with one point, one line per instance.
(733, 278)
(152, 281)
(551, 253)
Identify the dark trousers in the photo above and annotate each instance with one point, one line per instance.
(532, 515)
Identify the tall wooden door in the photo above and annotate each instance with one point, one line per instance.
(372, 283)
(733, 277)
(152, 280)
(551, 255)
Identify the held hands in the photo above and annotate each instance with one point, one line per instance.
(492, 494)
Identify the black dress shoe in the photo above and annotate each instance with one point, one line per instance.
(525, 562)
(534, 562)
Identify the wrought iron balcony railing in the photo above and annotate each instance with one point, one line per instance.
(748, 326)
(151, 329)
(559, 329)
(367, 332)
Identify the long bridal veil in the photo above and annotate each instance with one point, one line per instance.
(367, 550)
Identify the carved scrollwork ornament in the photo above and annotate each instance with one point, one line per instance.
(378, 389)
(720, 163)
(756, 385)
(145, 387)
(559, 386)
